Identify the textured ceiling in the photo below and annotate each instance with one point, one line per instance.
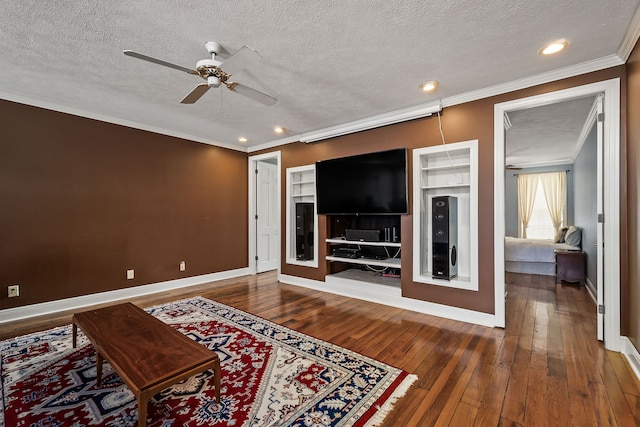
(547, 134)
(327, 62)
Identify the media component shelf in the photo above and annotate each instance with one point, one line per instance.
(391, 262)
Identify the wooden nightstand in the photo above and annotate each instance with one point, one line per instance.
(570, 266)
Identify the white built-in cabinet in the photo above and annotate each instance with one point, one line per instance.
(446, 170)
(301, 188)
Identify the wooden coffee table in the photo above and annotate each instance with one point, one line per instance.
(148, 354)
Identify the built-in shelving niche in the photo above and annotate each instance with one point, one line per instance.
(301, 189)
(381, 261)
(446, 170)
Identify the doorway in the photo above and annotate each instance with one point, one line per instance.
(610, 202)
(264, 212)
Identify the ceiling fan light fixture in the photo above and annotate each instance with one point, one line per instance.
(213, 81)
(429, 86)
(554, 47)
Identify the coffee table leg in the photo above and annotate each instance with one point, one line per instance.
(216, 380)
(75, 335)
(142, 411)
(98, 368)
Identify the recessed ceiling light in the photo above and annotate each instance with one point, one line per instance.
(553, 47)
(242, 139)
(278, 129)
(429, 86)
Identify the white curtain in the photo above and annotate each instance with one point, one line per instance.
(527, 187)
(554, 185)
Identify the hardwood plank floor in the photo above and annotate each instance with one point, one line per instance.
(545, 368)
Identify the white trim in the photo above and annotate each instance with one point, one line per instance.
(499, 232)
(631, 37)
(507, 121)
(424, 110)
(543, 164)
(611, 90)
(586, 128)
(632, 355)
(538, 79)
(75, 303)
(397, 116)
(290, 225)
(252, 205)
(591, 290)
(273, 144)
(611, 200)
(115, 120)
(389, 295)
(461, 282)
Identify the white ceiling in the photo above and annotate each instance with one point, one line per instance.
(551, 134)
(328, 62)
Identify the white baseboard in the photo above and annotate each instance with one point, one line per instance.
(75, 303)
(389, 295)
(591, 289)
(632, 355)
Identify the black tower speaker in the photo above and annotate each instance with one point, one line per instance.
(444, 233)
(304, 231)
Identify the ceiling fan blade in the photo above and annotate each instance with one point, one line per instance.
(195, 94)
(245, 57)
(159, 62)
(256, 95)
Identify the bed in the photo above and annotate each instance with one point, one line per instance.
(532, 256)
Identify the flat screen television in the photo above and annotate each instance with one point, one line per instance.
(367, 184)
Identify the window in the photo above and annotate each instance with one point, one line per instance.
(542, 200)
(540, 224)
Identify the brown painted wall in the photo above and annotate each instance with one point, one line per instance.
(633, 188)
(82, 201)
(473, 120)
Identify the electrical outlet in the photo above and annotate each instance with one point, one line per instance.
(13, 291)
(183, 266)
(130, 274)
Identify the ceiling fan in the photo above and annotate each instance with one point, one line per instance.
(216, 72)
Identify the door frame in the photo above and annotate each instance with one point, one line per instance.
(253, 160)
(611, 188)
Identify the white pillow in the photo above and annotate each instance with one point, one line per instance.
(573, 236)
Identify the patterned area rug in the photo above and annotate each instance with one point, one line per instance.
(271, 376)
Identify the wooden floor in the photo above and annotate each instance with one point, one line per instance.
(545, 368)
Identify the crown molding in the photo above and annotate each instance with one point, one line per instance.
(424, 110)
(273, 144)
(392, 117)
(535, 80)
(586, 128)
(379, 120)
(631, 37)
(560, 162)
(114, 120)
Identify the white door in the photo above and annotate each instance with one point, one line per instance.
(267, 221)
(600, 212)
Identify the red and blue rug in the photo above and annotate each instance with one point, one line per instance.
(271, 376)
